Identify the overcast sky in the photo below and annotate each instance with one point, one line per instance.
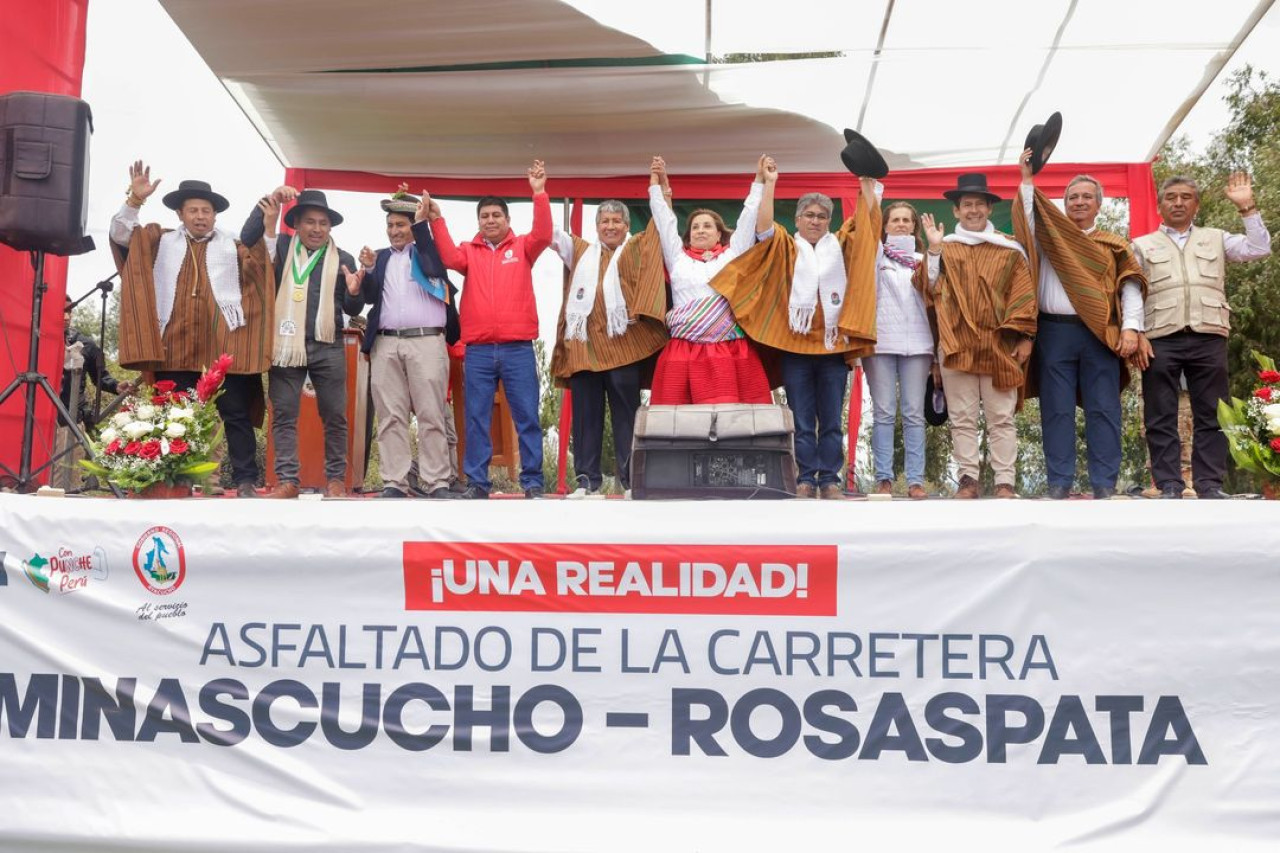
(154, 98)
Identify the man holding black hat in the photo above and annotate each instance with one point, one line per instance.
(190, 294)
(985, 300)
(405, 340)
(306, 331)
(1090, 291)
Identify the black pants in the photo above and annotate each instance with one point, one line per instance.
(238, 394)
(622, 388)
(1203, 359)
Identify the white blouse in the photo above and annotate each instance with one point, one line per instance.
(689, 277)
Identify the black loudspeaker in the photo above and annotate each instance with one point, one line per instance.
(44, 172)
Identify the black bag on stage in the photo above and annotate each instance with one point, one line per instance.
(44, 172)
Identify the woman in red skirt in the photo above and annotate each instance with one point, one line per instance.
(708, 359)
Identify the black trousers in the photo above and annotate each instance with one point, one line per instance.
(238, 394)
(621, 386)
(1203, 359)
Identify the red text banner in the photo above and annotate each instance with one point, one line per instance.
(754, 580)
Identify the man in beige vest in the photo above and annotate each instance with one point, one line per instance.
(1187, 321)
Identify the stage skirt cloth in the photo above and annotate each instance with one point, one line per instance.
(719, 372)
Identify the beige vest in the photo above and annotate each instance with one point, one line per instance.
(1186, 287)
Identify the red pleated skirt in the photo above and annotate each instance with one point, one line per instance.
(721, 372)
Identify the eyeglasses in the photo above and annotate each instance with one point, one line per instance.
(816, 217)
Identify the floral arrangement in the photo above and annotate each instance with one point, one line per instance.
(162, 434)
(1252, 426)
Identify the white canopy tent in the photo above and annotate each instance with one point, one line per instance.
(476, 90)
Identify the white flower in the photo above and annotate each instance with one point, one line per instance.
(164, 447)
(137, 429)
(121, 418)
(175, 430)
(108, 435)
(1272, 413)
(178, 413)
(145, 412)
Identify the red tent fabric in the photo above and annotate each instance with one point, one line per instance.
(43, 52)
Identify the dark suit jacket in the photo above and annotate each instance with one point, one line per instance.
(429, 259)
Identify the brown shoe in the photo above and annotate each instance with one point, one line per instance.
(968, 489)
(284, 491)
(832, 492)
(335, 489)
(884, 487)
(916, 492)
(806, 490)
(1005, 491)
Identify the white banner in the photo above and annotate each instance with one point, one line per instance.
(214, 675)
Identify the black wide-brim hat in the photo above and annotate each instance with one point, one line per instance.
(195, 189)
(1042, 139)
(316, 199)
(861, 157)
(971, 183)
(933, 416)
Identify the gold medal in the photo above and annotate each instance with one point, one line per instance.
(299, 295)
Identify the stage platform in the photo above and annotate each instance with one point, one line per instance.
(330, 675)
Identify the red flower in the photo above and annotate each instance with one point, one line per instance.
(166, 386)
(113, 448)
(1275, 445)
(159, 399)
(209, 383)
(181, 396)
(1263, 393)
(132, 448)
(1271, 376)
(150, 449)
(178, 446)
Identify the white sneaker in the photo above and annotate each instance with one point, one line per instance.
(577, 494)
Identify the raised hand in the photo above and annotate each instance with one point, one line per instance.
(353, 280)
(932, 230)
(270, 208)
(766, 170)
(367, 257)
(1240, 191)
(140, 183)
(427, 208)
(658, 173)
(537, 177)
(1024, 166)
(284, 194)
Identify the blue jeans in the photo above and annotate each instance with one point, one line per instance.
(513, 365)
(815, 392)
(1071, 359)
(894, 380)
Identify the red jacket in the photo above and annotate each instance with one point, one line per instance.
(497, 292)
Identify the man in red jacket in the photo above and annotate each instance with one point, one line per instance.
(499, 318)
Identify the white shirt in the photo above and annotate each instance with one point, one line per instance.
(689, 278)
(1254, 244)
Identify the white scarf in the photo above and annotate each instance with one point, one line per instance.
(582, 294)
(221, 266)
(819, 271)
(290, 347)
(987, 235)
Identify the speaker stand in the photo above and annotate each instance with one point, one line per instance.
(32, 379)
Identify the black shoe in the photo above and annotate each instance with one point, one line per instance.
(1102, 493)
(246, 490)
(1171, 492)
(1059, 493)
(457, 486)
(392, 492)
(475, 493)
(444, 493)
(1214, 494)
(533, 493)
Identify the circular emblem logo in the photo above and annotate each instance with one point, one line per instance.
(581, 292)
(509, 254)
(835, 299)
(159, 560)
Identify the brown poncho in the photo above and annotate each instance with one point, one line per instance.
(643, 281)
(1091, 266)
(758, 287)
(196, 333)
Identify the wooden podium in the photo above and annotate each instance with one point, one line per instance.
(311, 430)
